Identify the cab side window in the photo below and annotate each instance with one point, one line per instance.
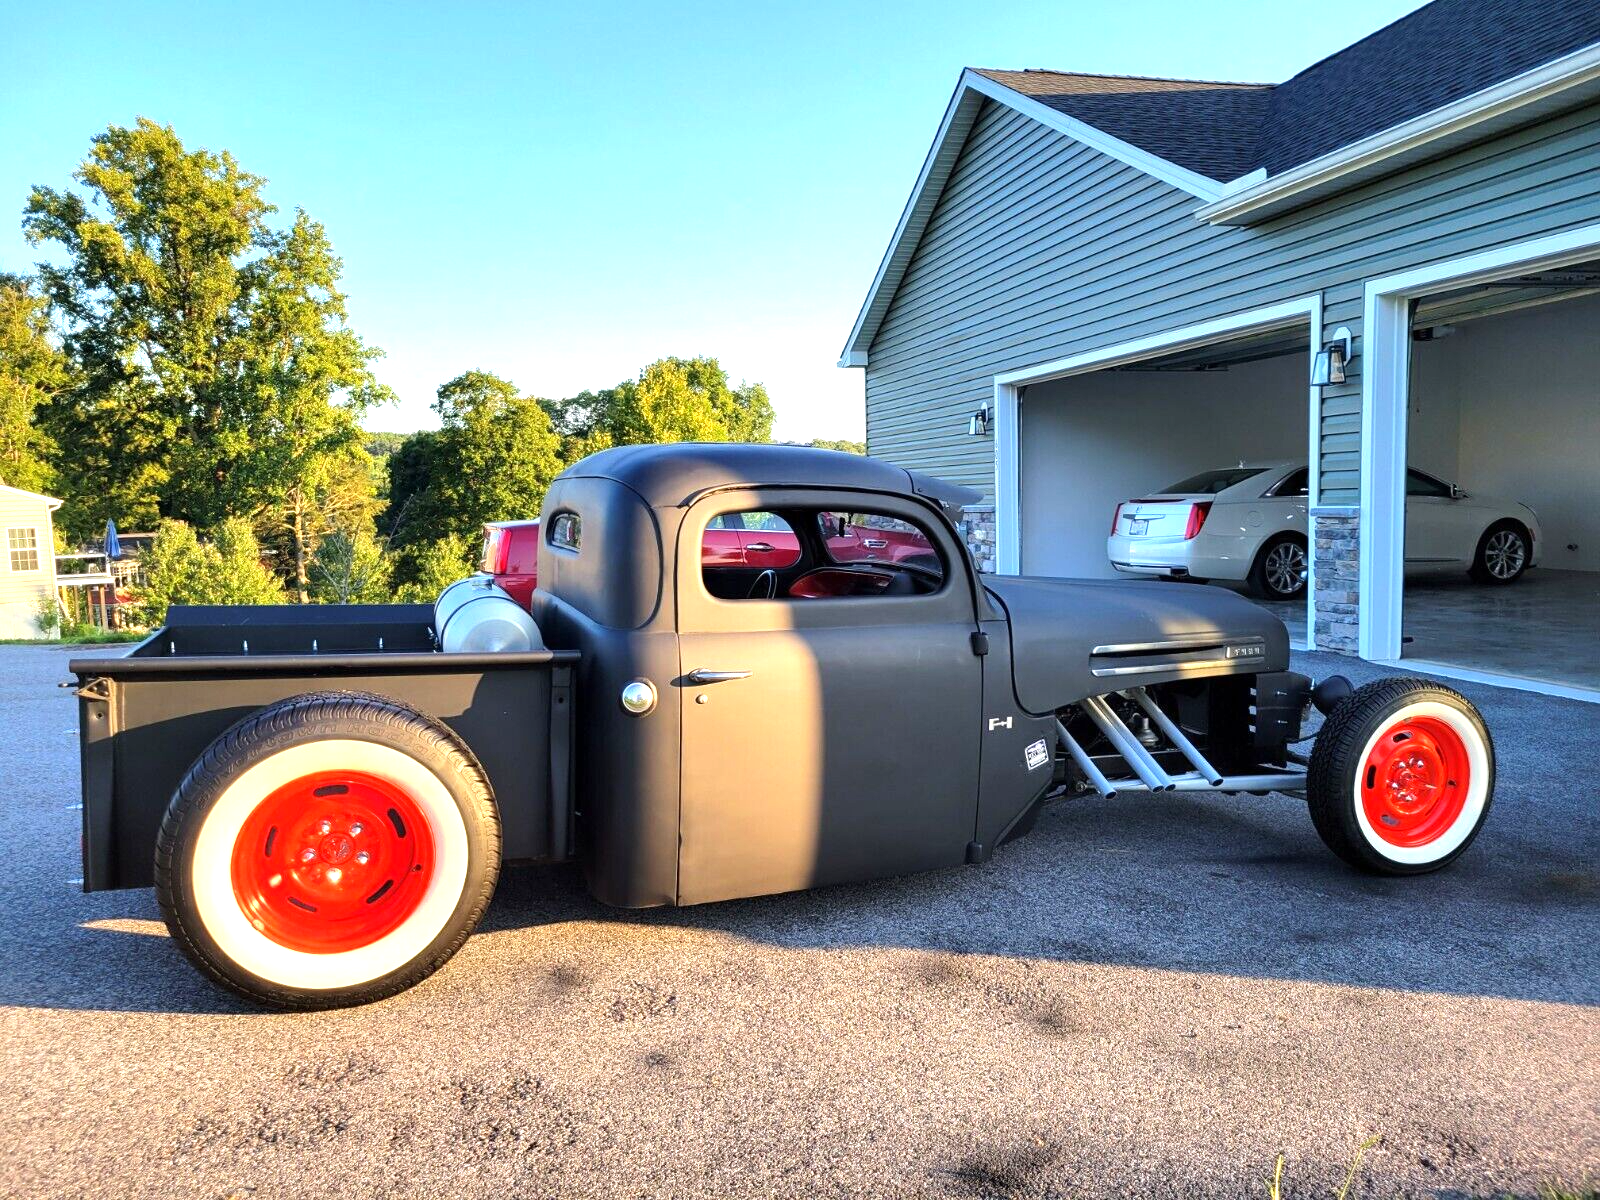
(809, 554)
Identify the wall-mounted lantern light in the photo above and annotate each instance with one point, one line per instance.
(1330, 362)
(978, 424)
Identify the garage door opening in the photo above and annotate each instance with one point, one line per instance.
(1501, 531)
(1189, 465)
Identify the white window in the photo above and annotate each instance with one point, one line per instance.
(23, 548)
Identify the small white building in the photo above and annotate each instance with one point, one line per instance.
(27, 560)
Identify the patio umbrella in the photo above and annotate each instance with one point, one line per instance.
(113, 546)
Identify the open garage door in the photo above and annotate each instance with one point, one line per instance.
(1502, 531)
(1189, 465)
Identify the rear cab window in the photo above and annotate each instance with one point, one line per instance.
(566, 531)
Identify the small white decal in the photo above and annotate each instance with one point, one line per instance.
(1037, 754)
(999, 723)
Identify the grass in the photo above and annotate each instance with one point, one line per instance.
(1275, 1182)
(1555, 1190)
(80, 637)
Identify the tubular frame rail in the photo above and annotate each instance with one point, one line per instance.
(1147, 774)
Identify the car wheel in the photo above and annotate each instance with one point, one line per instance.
(1280, 568)
(329, 850)
(1503, 553)
(1401, 777)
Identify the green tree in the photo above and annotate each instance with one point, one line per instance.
(410, 470)
(673, 400)
(214, 373)
(241, 576)
(840, 444)
(351, 568)
(180, 569)
(336, 492)
(424, 569)
(32, 370)
(491, 459)
(381, 449)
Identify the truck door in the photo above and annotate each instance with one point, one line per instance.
(831, 732)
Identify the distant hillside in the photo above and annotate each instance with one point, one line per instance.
(833, 444)
(383, 445)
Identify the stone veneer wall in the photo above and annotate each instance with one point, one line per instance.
(1338, 571)
(977, 525)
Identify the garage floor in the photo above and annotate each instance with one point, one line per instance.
(1544, 626)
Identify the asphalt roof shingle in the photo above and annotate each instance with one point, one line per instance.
(1201, 125)
(1442, 52)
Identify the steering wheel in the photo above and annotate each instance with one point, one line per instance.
(764, 586)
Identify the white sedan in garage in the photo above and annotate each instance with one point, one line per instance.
(1247, 524)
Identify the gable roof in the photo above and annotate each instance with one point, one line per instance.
(1451, 71)
(50, 502)
(1200, 124)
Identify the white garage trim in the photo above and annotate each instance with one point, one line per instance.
(1008, 385)
(1385, 385)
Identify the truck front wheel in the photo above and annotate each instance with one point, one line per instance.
(329, 850)
(1401, 777)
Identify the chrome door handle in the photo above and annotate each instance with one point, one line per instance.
(700, 675)
(763, 547)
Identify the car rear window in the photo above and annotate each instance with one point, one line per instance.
(1212, 482)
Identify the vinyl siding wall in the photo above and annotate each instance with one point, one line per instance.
(1040, 248)
(21, 593)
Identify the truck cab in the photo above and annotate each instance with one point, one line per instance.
(819, 714)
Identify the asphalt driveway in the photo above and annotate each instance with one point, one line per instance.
(1151, 997)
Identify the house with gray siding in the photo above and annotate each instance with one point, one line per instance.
(1100, 281)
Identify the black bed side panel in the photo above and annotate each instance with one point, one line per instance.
(161, 723)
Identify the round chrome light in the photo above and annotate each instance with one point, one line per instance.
(638, 696)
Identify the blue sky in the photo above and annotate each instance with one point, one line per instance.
(563, 192)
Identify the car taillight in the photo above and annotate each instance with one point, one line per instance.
(1197, 518)
(496, 551)
(1115, 517)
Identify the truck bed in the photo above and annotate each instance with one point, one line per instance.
(145, 718)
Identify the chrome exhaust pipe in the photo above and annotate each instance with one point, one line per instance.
(1144, 766)
(1085, 764)
(1169, 727)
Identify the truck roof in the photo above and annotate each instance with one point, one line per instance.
(673, 475)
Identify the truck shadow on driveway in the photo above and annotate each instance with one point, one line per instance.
(1234, 886)
(1228, 886)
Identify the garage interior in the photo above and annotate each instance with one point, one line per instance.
(1090, 441)
(1504, 401)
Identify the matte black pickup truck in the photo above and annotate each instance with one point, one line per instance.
(323, 797)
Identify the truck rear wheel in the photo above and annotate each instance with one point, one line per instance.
(1401, 777)
(331, 849)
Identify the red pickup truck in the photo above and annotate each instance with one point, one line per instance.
(755, 540)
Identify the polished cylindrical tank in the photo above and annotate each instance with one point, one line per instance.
(477, 616)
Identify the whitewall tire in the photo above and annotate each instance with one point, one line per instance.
(331, 849)
(1401, 777)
